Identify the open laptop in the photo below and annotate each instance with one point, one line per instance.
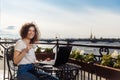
(61, 57)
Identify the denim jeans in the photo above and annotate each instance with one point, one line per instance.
(27, 72)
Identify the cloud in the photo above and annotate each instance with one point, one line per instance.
(52, 20)
(11, 27)
(6, 34)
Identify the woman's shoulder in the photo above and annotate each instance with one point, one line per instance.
(20, 41)
(20, 45)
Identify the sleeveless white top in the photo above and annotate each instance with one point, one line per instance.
(29, 56)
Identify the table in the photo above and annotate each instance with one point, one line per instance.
(67, 71)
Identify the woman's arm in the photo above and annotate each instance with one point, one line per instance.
(19, 55)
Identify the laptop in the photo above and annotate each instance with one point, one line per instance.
(61, 57)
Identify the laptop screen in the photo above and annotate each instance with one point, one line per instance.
(62, 55)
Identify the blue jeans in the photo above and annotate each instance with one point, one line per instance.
(27, 72)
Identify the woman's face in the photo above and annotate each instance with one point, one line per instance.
(31, 32)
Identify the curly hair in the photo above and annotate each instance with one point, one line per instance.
(24, 31)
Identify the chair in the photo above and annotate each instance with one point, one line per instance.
(12, 68)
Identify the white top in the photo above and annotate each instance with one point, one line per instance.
(29, 56)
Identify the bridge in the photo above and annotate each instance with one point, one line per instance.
(77, 40)
(70, 40)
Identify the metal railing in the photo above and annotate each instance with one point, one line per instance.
(87, 71)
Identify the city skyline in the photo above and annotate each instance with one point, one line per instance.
(63, 18)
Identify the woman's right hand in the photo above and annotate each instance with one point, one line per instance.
(19, 55)
(28, 48)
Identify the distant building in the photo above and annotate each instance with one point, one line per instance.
(94, 37)
(91, 36)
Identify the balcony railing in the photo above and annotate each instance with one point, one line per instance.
(87, 71)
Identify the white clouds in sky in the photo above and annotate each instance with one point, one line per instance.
(53, 20)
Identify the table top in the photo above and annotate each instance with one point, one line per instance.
(64, 67)
(66, 71)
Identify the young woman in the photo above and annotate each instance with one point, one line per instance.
(24, 55)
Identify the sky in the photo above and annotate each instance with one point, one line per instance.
(61, 18)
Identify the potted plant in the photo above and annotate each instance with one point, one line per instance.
(77, 54)
(106, 69)
(80, 56)
(111, 60)
(84, 60)
(48, 50)
(47, 54)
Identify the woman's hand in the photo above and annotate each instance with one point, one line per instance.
(47, 59)
(29, 46)
(19, 55)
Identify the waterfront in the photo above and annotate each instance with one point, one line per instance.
(86, 49)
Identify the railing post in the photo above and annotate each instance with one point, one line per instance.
(57, 44)
(68, 42)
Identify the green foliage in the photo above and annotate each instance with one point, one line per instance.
(76, 55)
(48, 50)
(79, 57)
(107, 60)
(72, 55)
(85, 58)
(118, 58)
(38, 50)
(89, 58)
(111, 60)
(117, 63)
